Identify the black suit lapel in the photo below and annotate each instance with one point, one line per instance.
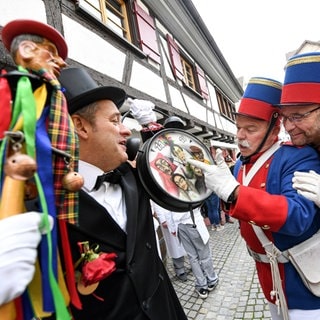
(131, 193)
(95, 220)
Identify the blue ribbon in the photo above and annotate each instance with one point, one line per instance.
(45, 171)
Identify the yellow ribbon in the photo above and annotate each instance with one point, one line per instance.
(40, 95)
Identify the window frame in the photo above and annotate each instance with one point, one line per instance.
(144, 48)
(102, 15)
(183, 68)
(146, 33)
(226, 108)
(189, 73)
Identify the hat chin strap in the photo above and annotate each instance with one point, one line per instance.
(246, 159)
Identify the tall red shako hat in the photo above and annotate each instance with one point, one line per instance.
(259, 101)
(302, 80)
(260, 97)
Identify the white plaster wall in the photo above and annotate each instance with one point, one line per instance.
(213, 97)
(218, 121)
(231, 127)
(211, 119)
(176, 99)
(91, 50)
(196, 109)
(227, 125)
(147, 81)
(18, 9)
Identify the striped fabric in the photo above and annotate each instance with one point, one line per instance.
(63, 137)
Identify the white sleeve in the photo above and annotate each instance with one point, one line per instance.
(161, 212)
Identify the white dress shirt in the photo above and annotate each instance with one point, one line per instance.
(108, 195)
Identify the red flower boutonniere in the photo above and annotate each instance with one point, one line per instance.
(96, 266)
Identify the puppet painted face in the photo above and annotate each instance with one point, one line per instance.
(36, 56)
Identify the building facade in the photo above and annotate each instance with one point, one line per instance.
(306, 46)
(159, 50)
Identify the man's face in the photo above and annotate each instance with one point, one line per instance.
(302, 125)
(197, 171)
(103, 143)
(250, 133)
(198, 155)
(181, 182)
(164, 166)
(45, 56)
(178, 152)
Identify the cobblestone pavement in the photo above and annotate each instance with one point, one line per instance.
(238, 295)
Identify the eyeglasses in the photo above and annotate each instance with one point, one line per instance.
(297, 118)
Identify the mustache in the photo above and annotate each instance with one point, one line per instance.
(243, 143)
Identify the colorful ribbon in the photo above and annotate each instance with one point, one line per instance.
(24, 115)
(5, 104)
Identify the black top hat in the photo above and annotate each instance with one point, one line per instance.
(81, 90)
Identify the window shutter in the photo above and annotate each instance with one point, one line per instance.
(147, 33)
(175, 58)
(202, 83)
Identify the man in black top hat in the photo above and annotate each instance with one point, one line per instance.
(115, 217)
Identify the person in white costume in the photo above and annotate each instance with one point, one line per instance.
(173, 245)
(194, 237)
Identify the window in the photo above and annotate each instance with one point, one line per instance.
(176, 63)
(117, 16)
(112, 13)
(225, 106)
(187, 71)
(204, 90)
(147, 33)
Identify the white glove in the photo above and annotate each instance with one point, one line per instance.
(142, 110)
(19, 237)
(218, 178)
(308, 185)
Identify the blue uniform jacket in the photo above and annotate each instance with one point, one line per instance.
(287, 218)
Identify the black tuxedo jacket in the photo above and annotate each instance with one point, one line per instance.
(140, 287)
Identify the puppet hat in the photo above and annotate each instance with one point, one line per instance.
(21, 26)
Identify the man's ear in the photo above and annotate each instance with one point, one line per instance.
(277, 129)
(80, 125)
(25, 52)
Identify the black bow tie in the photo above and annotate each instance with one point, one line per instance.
(112, 177)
